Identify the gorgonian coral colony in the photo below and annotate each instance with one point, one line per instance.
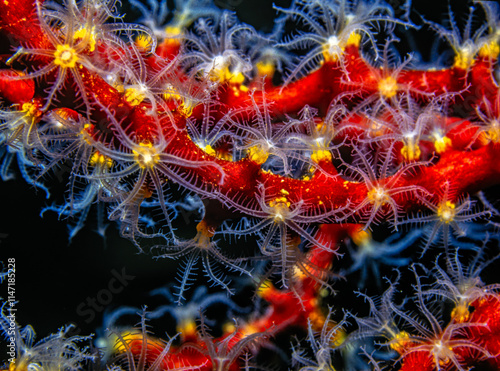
(318, 156)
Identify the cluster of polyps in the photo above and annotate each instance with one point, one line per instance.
(189, 117)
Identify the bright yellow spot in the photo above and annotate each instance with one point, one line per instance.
(323, 135)
(237, 78)
(170, 92)
(378, 196)
(228, 328)
(187, 327)
(280, 207)
(87, 137)
(265, 289)
(441, 144)
(265, 68)
(331, 50)
(388, 87)
(411, 151)
(361, 237)
(223, 74)
(185, 109)
(322, 155)
(134, 96)
(464, 58)
(446, 211)
(490, 50)
(279, 201)
(31, 110)
(248, 330)
(146, 155)
(400, 342)
(354, 39)
(460, 313)
(186, 104)
(209, 150)
(144, 41)
(65, 56)
(492, 134)
(89, 37)
(258, 154)
(100, 159)
(174, 31)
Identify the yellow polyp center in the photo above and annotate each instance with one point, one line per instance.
(133, 96)
(31, 110)
(441, 144)
(187, 327)
(316, 317)
(332, 49)
(490, 50)
(464, 58)
(460, 313)
(185, 109)
(171, 92)
(400, 342)
(446, 211)
(361, 237)
(321, 129)
(265, 68)
(209, 150)
(411, 152)
(186, 105)
(388, 87)
(144, 41)
(492, 134)
(378, 196)
(65, 56)
(249, 329)
(354, 39)
(86, 135)
(88, 36)
(223, 74)
(321, 155)
(174, 31)
(323, 135)
(258, 154)
(228, 328)
(204, 234)
(236, 78)
(266, 289)
(146, 155)
(98, 159)
(280, 206)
